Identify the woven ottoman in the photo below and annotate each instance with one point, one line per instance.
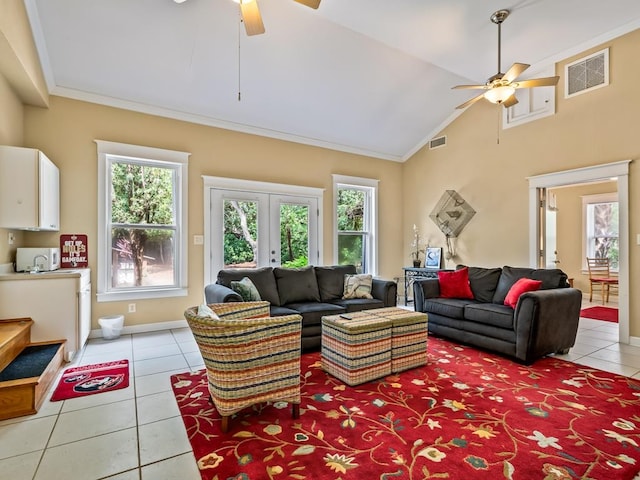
(356, 349)
(408, 337)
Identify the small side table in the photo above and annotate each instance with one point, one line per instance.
(411, 274)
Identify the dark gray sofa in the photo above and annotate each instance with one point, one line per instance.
(543, 322)
(311, 291)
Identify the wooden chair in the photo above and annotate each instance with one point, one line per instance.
(599, 274)
(250, 357)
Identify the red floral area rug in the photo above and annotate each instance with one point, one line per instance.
(466, 414)
(92, 379)
(606, 314)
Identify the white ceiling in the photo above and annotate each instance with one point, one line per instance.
(372, 77)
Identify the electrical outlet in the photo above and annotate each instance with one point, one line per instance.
(198, 240)
(132, 308)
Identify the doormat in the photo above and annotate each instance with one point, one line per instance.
(466, 414)
(606, 314)
(92, 379)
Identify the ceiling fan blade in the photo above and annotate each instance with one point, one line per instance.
(538, 82)
(470, 102)
(251, 18)
(310, 3)
(514, 72)
(510, 102)
(466, 87)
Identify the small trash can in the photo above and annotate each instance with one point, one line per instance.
(111, 326)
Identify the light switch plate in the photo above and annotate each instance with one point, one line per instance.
(198, 239)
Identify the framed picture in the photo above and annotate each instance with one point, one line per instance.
(433, 257)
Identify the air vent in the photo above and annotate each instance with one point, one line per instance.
(587, 74)
(438, 142)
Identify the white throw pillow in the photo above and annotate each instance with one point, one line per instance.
(357, 286)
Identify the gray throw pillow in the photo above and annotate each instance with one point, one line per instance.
(296, 285)
(246, 289)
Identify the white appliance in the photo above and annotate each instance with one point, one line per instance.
(45, 258)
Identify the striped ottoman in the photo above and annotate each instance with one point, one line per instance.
(408, 337)
(356, 349)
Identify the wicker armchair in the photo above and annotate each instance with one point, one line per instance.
(250, 357)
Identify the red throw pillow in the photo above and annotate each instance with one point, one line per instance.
(455, 284)
(521, 286)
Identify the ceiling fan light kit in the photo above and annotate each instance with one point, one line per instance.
(499, 94)
(501, 88)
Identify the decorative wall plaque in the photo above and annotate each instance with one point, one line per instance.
(452, 213)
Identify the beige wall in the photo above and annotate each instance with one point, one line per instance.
(590, 129)
(66, 132)
(11, 133)
(570, 229)
(21, 81)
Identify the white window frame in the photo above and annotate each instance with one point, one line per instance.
(370, 187)
(591, 199)
(179, 160)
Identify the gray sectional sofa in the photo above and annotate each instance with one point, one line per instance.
(543, 321)
(311, 291)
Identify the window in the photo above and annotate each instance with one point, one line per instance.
(356, 222)
(601, 227)
(142, 222)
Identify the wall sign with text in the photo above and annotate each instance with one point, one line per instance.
(73, 251)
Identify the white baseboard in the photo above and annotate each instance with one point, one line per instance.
(147, 327)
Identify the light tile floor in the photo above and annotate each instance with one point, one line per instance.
(137, 433)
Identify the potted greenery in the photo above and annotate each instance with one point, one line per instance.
(415, 245)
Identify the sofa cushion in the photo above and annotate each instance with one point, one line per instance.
(331, 281)
(447, 307)
(455, 284)
(357, 286)
(246, 289)
(296, 285)
(483, 282)
(508, 277)
(312, 312)
(521, 286)
(551, 278)
(490, 314)
(357, 304)
(262, 278)
(277, 311)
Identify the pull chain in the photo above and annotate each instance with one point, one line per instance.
(498, 129)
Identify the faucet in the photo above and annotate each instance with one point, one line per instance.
(35, 268)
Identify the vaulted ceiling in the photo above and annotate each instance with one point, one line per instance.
(371, 77)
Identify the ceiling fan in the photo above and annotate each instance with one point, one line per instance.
(251, 14)
(501, 87)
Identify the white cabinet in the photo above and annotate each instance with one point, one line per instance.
(59, 304)
(29, 190)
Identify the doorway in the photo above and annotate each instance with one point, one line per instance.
(257, 224)
(537, 222)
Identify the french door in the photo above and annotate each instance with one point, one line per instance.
(250, 229)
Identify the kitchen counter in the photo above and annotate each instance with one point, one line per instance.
(61, 273)
(58, 302)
